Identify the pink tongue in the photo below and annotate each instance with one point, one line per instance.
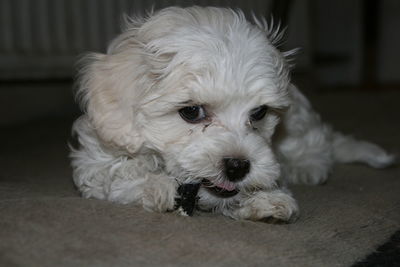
(228, 186)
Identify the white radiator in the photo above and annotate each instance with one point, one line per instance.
(42, 38)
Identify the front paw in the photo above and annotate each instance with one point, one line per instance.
(159, 194)
(271, 207)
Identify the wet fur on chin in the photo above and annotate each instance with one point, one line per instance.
(134, 147)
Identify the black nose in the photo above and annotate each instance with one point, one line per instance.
(236, 169)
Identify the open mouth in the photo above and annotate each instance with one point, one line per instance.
(223, 190)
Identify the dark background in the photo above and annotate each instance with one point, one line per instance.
(347, 46)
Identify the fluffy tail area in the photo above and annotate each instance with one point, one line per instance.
(347, 149)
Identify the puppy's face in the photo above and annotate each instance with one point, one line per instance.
(216, 125)
(205, 97)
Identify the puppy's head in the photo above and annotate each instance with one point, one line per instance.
(201, 87)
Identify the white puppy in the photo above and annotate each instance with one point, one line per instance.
(190, 95)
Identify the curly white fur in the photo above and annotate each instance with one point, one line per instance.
(134, 146)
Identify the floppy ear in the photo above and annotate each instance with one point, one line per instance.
(111, 87)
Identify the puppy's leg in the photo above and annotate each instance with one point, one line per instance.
(156, 192)
(127, 181)
(307, 158)
(273, 206)
(101, 174)
(304, 143)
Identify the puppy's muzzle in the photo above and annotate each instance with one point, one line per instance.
(236, 169)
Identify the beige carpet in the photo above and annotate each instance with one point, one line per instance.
(44, 222)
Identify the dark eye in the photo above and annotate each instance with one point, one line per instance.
(193, 114)
(258, 113)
